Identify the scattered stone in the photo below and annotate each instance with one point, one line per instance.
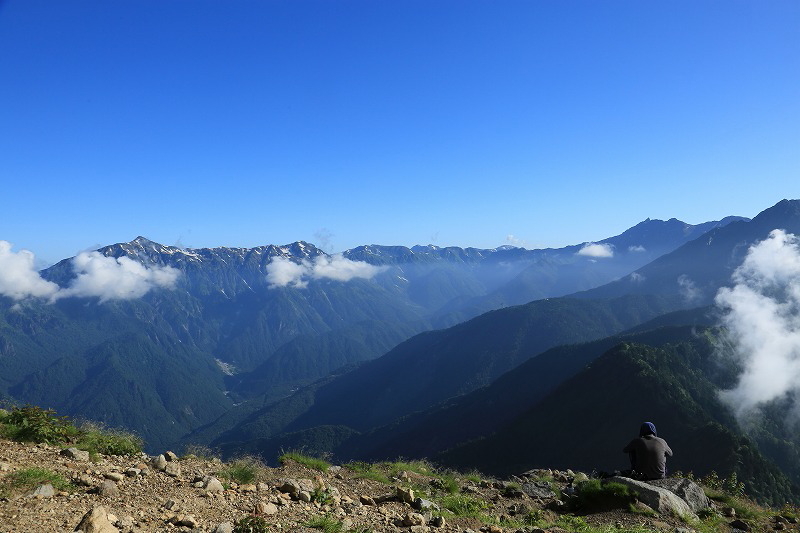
(212, 484)
(366, 500)
(96, 521)
(438, 521)
(265, 508)
(114, 476)
(413, 519)
(172, 469)
(43, 491)
(76, 454)
(170, 456)
(405, 495)
(225, 527)
(741, 525)
(5, 467)
(108, 489)
(421, 504)
(159, 463)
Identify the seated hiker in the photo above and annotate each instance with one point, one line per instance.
(648, 453)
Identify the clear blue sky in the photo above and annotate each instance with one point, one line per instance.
(241, 123)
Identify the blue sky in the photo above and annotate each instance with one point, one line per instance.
(242, 123)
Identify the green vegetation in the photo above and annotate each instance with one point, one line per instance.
(251, 524)
(29, 478)
(368, 471)
(314, 463)
(242, 470)
(325, 523)
(594, 496)
(37, 425)
(463, 505)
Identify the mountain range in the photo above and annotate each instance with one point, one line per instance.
(372, 353)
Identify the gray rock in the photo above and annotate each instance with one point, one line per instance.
(225, 527)
(687, 489)
(43, 491)
(413, 519)
(212, 484)
(170, 456)
(289, 486)
(96, 521)
(108, 489)
(741, 525)
(421, 504)
(4, 467)
(76, 454)
(266, 508)
(173, 469)
(114, 476)
(660, 499)
(405, 495)
(159, 463)
(538, 489)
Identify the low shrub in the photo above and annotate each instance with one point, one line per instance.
(463, 505)
(326, 524)
(242, 470)
(593, 496)
(251, 524)
(314, 463)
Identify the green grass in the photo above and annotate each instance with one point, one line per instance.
(463, 505)
(28, 479)
(251, 524)
(314, 463)
(393, 469)
(592, 496)
(326, 524)
(94, 440)
(368, 471)
(243, 470)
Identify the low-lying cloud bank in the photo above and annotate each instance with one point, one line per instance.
(107, 278)
(282, 272)
(762, 314)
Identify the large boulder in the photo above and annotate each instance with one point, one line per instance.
(660, 499)
(688, 490)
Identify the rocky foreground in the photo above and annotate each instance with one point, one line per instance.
(107, 494)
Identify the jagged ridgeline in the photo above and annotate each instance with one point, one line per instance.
(231, 331)
(501, 359)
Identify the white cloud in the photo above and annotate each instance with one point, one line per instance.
(110, 278)
(688, 289)
(19, 279)
(637, 278)
(597, 250)
(762, 315)
(96, 275)
(515, 241)
(282, 272)
(637, 248)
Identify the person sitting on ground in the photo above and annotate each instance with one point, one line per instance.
(648, 453)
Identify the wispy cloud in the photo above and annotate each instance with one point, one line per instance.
(282, 272)
(637, 248)
(107, 278)
(597, 250)
(516, 241)
(688, 289)
(19, 279)
(762, 315)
